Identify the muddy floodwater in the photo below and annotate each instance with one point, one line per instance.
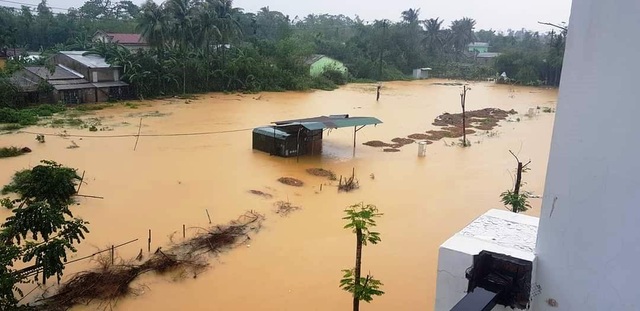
(294, 262)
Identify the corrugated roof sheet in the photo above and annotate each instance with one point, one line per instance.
(24, 83)
(126, 38)
(110, 84)
(77, 86)
(313, 58)
(91, 60)
(271, 131)
(487, 55)
(336, 121)
(478, 44)
(59, 73)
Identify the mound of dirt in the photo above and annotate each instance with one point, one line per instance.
(290, 181)
(402, 141)
(377, 143)
(322, 173)
(391, 150)
(484, 116)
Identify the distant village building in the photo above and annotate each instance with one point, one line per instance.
(479, 51)
(478, 47)
(131, 41)
(421, 73)
(74, 78)
(318, 63)
(486, 58)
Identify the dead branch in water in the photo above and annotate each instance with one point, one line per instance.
(284, 208)
(349, 184)
(109, 282)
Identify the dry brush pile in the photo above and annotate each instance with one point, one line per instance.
(110, 282)
(450, 127)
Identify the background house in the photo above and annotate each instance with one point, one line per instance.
(486, 59)
(131, 41)
(74, 78)
(478, 47)
(318, 63)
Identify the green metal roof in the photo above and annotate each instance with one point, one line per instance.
(333, 122)
(270, 131)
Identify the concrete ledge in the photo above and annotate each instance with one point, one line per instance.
(498, 231)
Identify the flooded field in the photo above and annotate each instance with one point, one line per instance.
(294, 262)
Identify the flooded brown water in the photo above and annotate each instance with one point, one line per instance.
(294, 263)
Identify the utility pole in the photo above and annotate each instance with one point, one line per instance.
(463, 99)
(383, 41)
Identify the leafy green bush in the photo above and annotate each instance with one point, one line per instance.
(28, 116)
(322, 83)
(7, 152)
(334, 75)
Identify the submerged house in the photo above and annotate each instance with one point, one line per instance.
(298, 137)
(75, 78)
(318, 63)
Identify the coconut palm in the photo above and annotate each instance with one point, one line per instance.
(434, 36)
(462, 33)
(182, 13)
(153, 24)
(411, 16)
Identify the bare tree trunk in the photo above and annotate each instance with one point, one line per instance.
(356, 301)
(516, 188)
(463, 99)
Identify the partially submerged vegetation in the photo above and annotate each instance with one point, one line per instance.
(112, 281)
(13, 151)
(284, 208)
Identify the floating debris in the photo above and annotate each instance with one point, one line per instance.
(290, 181)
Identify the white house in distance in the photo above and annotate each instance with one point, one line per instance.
(587, 239)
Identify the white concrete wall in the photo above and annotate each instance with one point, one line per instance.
(497, 231)
(589, 236)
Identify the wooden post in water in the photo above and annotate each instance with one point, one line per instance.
(355, 131)
(113, 252)
(320, 187)
(208, 216)
(184, 232)
(149, 242)
(138, 136)
(81, 180)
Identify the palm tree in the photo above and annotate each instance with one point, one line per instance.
(434, 36)
(182, 14)
(206, 30)
(411, 16)
(462, 33)
(227, 24)
(153, 24)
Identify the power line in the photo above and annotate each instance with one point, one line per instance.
(31, 5)
(141, 135)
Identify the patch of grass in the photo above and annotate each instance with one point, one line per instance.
(548, 110)
(11, 127)
(7, 152)
(28, 116)
(131, 105)
(92, 107)
(70, 121)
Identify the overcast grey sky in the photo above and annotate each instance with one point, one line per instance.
(494, 14)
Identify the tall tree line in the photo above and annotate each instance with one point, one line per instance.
(211, 45)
